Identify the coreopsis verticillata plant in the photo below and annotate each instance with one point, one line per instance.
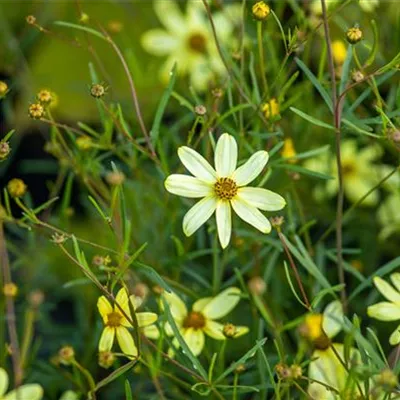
(388, 310)
(222, 188)
(360, 173)
(116, 323)
(188, 40)
(202, 318)
(31, 391)
(325, 366)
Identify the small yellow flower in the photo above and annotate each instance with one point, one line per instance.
(36, 111)
(271, 108)
(3, 89)
(288, 150)
(44, 97)
(10, 289)
(260, 10)
(31, 391)
(354, 35)
(339, 51)
(202, 318)
(388, 310)
(16, 187)
(116, 323)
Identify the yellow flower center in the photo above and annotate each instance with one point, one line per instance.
(114, 319)
(197, 42)
(225, 188)
(314, 331)
(194, 320)
(348, 168)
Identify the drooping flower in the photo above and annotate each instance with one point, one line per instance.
(388, 310)
(360, 174)
(325, 366)
(31, 391)
(202, 318)
(222, 188)
(188, 40)
(116, 323)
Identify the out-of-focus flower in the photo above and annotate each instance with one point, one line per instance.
(4, 150)
(339, 51)
(202, 318)
(106, 359)
(388, 310)
(16, 187)
(271, 108)
(288, 150)
(188, 40)
(257, 286)
(66, 355)
(369, 5)
(3, 89)
(116, 323)
(84, 142)
(31, 391)
(44, 97)
(223, 188)
(115, 178)
(360, 174)
(10, 289)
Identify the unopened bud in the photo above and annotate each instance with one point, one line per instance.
(84, 142)
(44, 97)
(97, 90)
(115, 178)
(36, 111)
(260, 10)
(229, 331)
(106, 359)
(357, 76)
(354, 35)
(4, 150)
(36, 298)
(257, 286)
(200, 110)
(16, 188)
(66, 355)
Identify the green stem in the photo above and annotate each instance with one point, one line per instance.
(261, 58)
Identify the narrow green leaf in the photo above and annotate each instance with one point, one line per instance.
(116, 374)
(311, 119)
(81, 28)
(152, 275)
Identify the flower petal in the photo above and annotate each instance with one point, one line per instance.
(251, 168)
(222, 304)
(395, 278)
(146, 318)
(196, 164)
(332, 321)
(262, 198)
(194, 338)
(3, 381)
(104, 308)
(159, 42)
(201, 303)
(394, 338)
(176, 305)
(384, 311)
(151, 331)
(107, 339)
(241, 330)
(126, 343)
(214, 330)
(224, 222)
(170, 15)
(122, 300)
(31, 391)
(386, 289)
(251, 215)
(225, 156)
(187, 186)
(198, 215)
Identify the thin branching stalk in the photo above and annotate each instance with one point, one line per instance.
(337, 122)
(261, 57)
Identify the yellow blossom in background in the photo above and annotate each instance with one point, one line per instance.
(10, 289)
(288, 150)
(224, 188)
(339, 51)
(3, 89)
(116, 323)
(271, 108)
(188, 41)
(202, 318)
(31, 391)
(369, 5)
(84, 142)
(316, 7)
(388, 310)
(44, 97)
(360, 173)
(16, 187)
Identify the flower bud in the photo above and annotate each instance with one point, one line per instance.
(31, 19)
(66, 355)
(354, 35)
(106, 359)
(271, 108)
(357, 76)
(115, 178)
(288, 150)
(36, 111)
(4, 150)
(10, 289)
(200, 110)
(44, 97)
(257, 286)
(260, 10)
(36, 298)
(229, 331)
(97, 90)
(16, 187)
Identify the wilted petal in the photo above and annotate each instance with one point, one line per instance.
(222, 304)
(159, 42)
(225, 156)
(31, 391)
(224, 222)
(104, 308)
(262, 198)
(387, 290)
(107, 339)
(251, 215)
(384, 311)
(177, 306)
(251, 168)
(146, 318)
(198, 215)
(194, 338)
(196, 164)
(332, 321)
(126, 343)
(187, 186)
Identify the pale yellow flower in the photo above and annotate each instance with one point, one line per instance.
(360, 174)
(188, 40)
(116, 323)
(369, 5)
(222, 188)
(202, 318)
(388, 310)
(31, 391)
